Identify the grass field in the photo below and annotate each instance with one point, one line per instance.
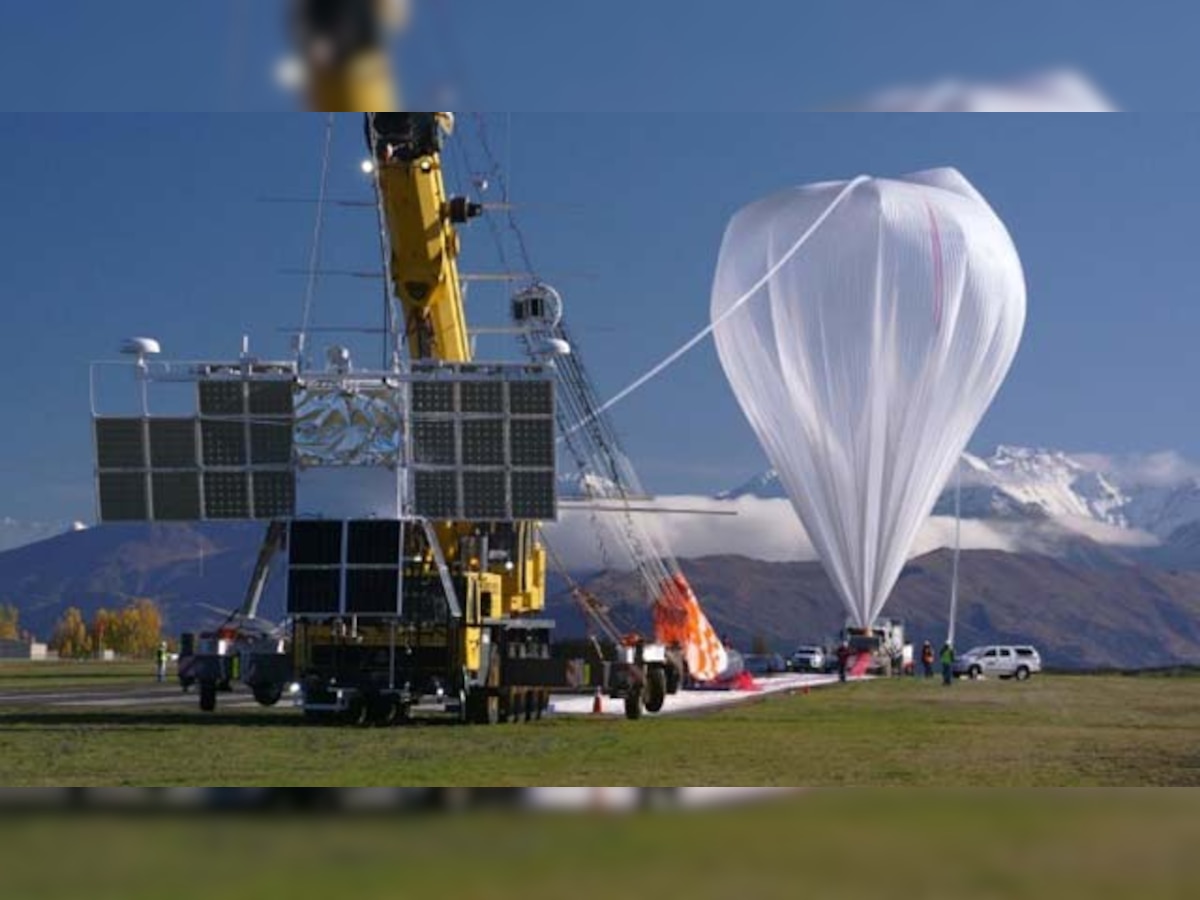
(842, 845)
(1052, 731)
(17, 675)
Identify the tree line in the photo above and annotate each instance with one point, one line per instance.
(135, 630)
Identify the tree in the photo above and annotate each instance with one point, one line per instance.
(9, 623)
(135, 630)
(71, 638)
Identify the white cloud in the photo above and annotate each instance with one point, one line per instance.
(768, 529)
(1165, 468)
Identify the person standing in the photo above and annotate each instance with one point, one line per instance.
(927, 658)
(843, 660)
(160, 662)
(947, 663)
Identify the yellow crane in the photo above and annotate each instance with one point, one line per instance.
(492, 650)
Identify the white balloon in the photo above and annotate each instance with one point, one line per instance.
(865, 328)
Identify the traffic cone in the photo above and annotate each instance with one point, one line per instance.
(597, 704)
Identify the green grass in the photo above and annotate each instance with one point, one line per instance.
(856, 845)
(17, 675)
(1053, 731)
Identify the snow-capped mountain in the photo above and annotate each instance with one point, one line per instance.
(1018, 483)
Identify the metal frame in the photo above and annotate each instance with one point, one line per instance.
(248, 372)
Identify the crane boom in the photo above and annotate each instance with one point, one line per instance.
(420, 223)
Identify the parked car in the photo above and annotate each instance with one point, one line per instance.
(764, 664)
(809, 658)
(1017, 661)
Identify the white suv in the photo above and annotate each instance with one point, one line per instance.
(1013, 661)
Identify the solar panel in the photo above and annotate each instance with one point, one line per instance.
(315, 543)
(373, 591)
(227, 495)
(433, 397)
(531, 398)
(222, 398)
(120, 444)
(534, 495)
(271, 443)
(173, 443)
(485, 495)
(274, 495)
(483, 442)
(434, 442)
(435, 494)
(373, 543)
(224, 442)
(314, 591)
(532, 442)
(123, 497)
(176, 496)
(270, 398)
(481, 397)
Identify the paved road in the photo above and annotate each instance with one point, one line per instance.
(117, 697)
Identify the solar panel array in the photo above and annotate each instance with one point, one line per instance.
(483, 450)
(233, 461)
(344, 568)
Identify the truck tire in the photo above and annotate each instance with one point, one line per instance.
(656, 689)
(267, 694)
(208, 696)
(974, 672)
(633, 705)
(355, 712)
(674, 680)
(382, 710)
(1022, 673)
(482, 709)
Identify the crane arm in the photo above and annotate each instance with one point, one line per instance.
(420, 220)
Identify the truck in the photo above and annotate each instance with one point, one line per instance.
(884, 643)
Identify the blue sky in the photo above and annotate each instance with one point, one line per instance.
(123, 224)
(620, 55)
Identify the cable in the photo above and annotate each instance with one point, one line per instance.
(737, 304)
(315, 252)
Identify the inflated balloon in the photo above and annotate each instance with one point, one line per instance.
(865, 327)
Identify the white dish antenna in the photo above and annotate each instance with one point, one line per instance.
(140, 347)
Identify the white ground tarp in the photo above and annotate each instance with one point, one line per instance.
(865, 327)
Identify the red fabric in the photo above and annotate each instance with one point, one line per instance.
(859, 664)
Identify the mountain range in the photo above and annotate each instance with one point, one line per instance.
(1120, 586)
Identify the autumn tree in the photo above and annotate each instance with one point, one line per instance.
(71, 638)
(135, 630)
(9, 623)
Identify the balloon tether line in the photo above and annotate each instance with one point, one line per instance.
(738, 304)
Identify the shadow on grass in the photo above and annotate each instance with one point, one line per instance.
(37, 720)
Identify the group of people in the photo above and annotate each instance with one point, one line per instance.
(946, 658)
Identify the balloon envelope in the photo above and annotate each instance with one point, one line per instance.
(865, 327)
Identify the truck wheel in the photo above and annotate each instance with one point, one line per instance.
(975, 672)
(208, 696)
(267, 694)
(482, 709)
(656, 689)
(633, 705)
(1022, 673)
(382, 710)
(674, 680)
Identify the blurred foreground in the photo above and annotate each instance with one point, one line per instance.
(979, 845)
